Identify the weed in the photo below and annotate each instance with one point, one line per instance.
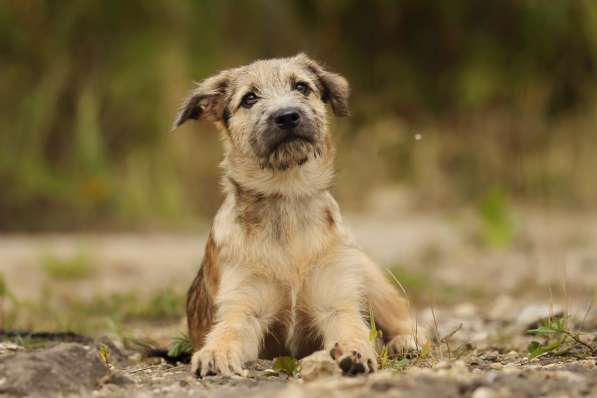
(180, 345)
(104, 353)
(373, 332)
(7, 316)
(557, 336)
(288, 365)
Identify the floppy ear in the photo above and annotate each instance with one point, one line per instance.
(334, 87)
(206, 101)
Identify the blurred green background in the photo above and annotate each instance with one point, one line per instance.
(459, 102)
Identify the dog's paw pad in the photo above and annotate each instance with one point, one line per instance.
(352, 362)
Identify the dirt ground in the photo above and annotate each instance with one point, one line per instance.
(475, 302)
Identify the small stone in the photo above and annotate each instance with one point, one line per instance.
(587, 363)
(8, 346)
(270, 372)
(484, 392)
(442, 365)
(496, 366)
(512, 355)
(318, 365)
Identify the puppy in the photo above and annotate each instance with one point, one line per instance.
(281, 274)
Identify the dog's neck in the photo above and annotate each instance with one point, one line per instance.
(310, 179)
(280, 217)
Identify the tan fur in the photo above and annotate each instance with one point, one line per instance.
(200, 298)
(281, 274)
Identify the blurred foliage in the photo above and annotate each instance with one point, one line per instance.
(497, 228)
(56, 311)
(68, 268)
(502, 93)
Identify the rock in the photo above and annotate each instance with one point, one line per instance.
(442, 365)
(317, 365)
(62, 369)
(7, 348)
(533, 313)
(484, 392)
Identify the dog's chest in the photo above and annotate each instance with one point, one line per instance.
(277, 238)
(289, 236)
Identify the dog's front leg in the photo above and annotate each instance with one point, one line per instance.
(333, 296)
(245, 310)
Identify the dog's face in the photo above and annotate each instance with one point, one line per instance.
(272, 111)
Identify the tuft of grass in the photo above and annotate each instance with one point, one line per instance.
(558, 339)
(180, 345)
(373, 332)
(288, 365)
(68, 268)
(104, 353)
(7, 315)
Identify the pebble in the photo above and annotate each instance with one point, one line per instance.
(8, 346)
(318, 365)
(484, 392)
(442, 365)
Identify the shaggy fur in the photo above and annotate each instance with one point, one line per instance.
(281, 274)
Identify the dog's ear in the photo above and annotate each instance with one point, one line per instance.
(334, 87)
(206, 101)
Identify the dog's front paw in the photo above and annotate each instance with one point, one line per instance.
(216, 361)
(354, 358)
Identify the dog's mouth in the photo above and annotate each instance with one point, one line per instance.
(289, 139)
(293, 149)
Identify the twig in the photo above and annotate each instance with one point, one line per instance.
(579, 341)
(141, 369)
(452, 333)
(441, 356)
(447, 337)
(589, 308)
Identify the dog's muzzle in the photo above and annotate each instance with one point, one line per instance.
(288, 125)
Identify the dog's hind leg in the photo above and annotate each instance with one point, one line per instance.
(391, 311)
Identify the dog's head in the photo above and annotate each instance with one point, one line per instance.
(273, 112)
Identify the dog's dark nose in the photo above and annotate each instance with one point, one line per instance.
(287, 118)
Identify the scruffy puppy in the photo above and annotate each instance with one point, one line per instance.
(281, 274)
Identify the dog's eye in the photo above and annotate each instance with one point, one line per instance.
(248, 100)
(302, 88)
